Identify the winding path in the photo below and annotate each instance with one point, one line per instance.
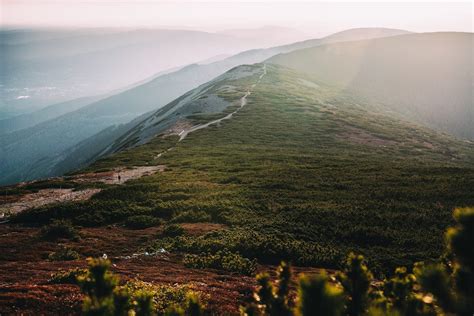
(243, 102)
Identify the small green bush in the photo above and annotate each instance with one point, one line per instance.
(64, 254)
(452, 282)
(172, 230)
(317, 296)
(141, 221)
(122, 302)
(164, 297)
(355, 280)
(144, 305)
(192, 217)
(104, 296)
(98, 286)
(67, 277)
(90, 213)
(271, 299)
(222, 260)
(192, 307)
(435, 289)
(59, 229)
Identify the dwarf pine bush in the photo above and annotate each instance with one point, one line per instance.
(165, 297)
(172, 230)
(104, 296)
(436, 289)
(141, 221)
(271, 299)
(98, 285)
(317, 296)
(64, 254)
(59, 229)
(144, 303)
(122, 302)
(192, 217)
(67, 277)
(401, 295)
(452, 283)
(356, 279)
(221, 260)
(192, 307)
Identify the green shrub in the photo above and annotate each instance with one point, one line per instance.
(91, 213)
(59, 229)
(98, 285)
(144, 303)
(271, 299)
(141, 221)
(192, 307)
(164, 297)
(356, 279)
(123, 303)
(64, 254)
(67, 277)
(435, 289)
(103, 295)
(221, 260)
(267, 248)
(316, 296)
(96, 212)
(172, 230)
(192, 217)
(452, 282)
(399, 292)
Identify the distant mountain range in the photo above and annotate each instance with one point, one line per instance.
(42, 67)
(268, 35)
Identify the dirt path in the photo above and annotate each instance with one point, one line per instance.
(243, 102)
(43, 197)
(112, 177)
(50, 196)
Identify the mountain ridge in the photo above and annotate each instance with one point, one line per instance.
(86, 123)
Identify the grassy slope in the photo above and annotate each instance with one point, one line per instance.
(300, 173)
(427, 76)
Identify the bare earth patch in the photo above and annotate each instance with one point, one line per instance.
(178, 127)
(112, 177)
(428, 145)
(360, 136)
(46, 196)
(26, 201)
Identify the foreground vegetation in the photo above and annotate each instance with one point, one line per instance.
(427, 289)
(301, 174)
(104, 296)
(432, 289)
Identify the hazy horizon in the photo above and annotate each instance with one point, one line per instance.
(307, 19)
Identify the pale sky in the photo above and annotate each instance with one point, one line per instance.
(311, 17)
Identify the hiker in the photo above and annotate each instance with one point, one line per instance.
(119, 178)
